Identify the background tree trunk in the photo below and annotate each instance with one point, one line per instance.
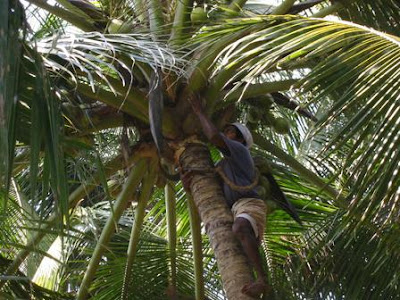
(217, 218)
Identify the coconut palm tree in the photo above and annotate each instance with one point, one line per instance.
(95, 119)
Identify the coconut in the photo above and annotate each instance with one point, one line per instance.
(268, 118)
(119, 26)
(253, 115)
(281, 126)
(198, 15)
(115, 26)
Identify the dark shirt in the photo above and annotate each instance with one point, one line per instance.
(238, 166)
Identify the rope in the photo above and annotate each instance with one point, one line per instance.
(231, 184)
(180, 148)
(235, 187)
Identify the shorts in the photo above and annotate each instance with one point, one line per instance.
(253, 210)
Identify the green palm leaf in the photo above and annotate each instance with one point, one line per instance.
(381, 15)
(339, 47)
(82, 100)
(10, 53)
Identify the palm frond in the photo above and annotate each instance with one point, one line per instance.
(95, 53)
(149, 272)
(43, 23)
(20, 287)
(380, 15)
(72, 14)
(340, 47)
(346, 74)
(337, 273)
(10, 57)
(20, 223)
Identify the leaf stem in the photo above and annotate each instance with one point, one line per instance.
(284, 7)
(329, 10)
(130, 186)
(171, 222)
(181, 21)
(145, 194)
(195, 227)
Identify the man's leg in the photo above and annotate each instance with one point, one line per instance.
(244, 232)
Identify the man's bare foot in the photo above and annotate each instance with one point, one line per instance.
(256, 289)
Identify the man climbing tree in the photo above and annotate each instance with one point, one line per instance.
(239, 180)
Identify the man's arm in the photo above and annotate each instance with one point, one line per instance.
(210, 130)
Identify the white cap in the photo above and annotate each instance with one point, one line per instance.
(248, 138)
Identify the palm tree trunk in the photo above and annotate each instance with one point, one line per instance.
(217, 219)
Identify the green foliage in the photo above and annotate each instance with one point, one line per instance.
(10, 56)
(68, 101)
(380, 15)
(198, 15)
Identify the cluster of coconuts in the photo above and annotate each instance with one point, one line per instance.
(259, 112)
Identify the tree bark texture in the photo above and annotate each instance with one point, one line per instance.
(217, 218)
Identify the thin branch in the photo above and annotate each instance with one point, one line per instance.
(134, 103)
(130, 186)
(329, 10)
(181, 19)
(106, 122)
(255, 90)
(237, 5)
(145, 193)
(303, 6)
(285, 6)
(171, 221)
(156, 18)
(195, 226)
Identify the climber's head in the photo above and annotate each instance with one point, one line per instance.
(238, 132)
